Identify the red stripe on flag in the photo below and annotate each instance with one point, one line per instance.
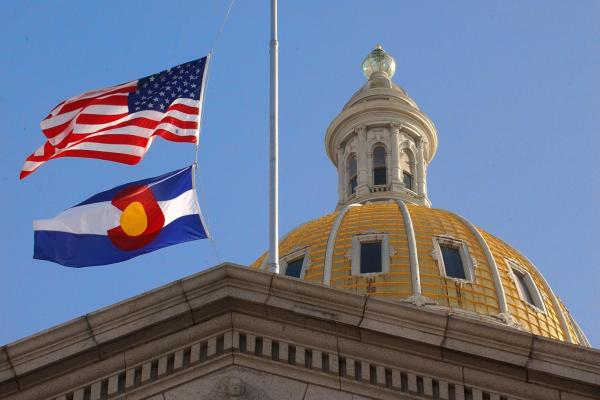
(175, 138)
(179, 123)
(25, 174)
(185, 109)
(102, 99)
(96, 119)
(56, 130)
(117, 139)
(128, 159)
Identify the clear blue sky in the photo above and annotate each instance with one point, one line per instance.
(513, 88)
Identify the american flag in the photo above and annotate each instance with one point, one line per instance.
(118, 123)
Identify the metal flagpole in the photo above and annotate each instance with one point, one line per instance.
(273, 147)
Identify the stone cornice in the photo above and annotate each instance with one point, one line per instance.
(113, 338)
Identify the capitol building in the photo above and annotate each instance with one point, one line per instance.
(386, 297)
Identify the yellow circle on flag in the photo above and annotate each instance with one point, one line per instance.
(134, 219)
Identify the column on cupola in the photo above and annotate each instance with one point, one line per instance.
(420, 170)
(342, 167)
(396, 169)
(361, 153)
(424, 183)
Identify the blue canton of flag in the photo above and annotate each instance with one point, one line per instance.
(156, 92)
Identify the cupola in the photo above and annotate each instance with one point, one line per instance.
(381, 143)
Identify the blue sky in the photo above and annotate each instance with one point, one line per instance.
(513, 88)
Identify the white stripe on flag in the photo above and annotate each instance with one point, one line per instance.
(105, 109)
(176, 130)
(97, 218)
(102, 147)
(40, 151)
(31, 165)
(109, 148)
(150, 114)
(92, 94)
(64, 117)
(59, 119)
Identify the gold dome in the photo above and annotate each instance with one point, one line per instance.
(479, 296)
(384, 240)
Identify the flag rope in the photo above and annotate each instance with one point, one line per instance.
(200, 119)
(218, 35)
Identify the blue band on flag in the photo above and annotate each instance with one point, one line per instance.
(74, 250)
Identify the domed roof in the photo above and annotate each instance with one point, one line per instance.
(384, 240)
(327, 244)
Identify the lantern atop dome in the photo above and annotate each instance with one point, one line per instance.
(378, 63)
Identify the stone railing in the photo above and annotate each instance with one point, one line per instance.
(379, 188)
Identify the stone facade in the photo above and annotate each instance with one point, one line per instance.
(236, 333)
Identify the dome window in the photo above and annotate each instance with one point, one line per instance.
(370, 254)
(352, 175)
(379, 166)
(526, 287)
(294, 268)
(370, 257)
(407, 178)
(453, 258)
(294, 264)
(407, 169)
(453, 262)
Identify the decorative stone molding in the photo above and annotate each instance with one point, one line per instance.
(293, 354)
(510, 320)
(231, 388)
(419, 300)
(231, 316)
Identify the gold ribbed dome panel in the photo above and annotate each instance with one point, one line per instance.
(574, 333)
(311, 236)
(373, 218)
(478, 297)
(540, 323)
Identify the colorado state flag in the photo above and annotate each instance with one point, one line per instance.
(123, 222)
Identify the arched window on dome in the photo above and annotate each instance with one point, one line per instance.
(453, 258)
(528, 291)
(295, 263)
(407, 164)
(379, 166)
(352, 175)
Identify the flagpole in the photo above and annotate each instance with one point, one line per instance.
(273, 147)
